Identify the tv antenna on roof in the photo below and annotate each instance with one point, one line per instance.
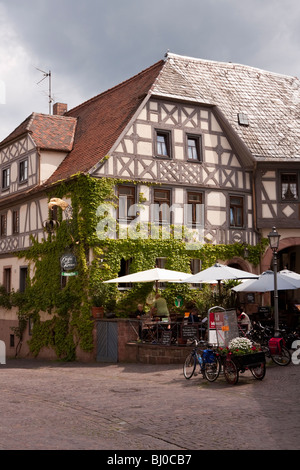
(47, 75)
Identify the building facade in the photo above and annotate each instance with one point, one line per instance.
(210, 146)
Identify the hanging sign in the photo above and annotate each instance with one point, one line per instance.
(68, 262)
(178, 301)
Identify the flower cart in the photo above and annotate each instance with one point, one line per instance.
(237, 354)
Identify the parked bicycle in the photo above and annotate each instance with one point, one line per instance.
(209, 362)
(275, 348)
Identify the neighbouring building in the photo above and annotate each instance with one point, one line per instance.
(217, 143)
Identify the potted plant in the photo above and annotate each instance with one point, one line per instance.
(97, 308)
(99, 299)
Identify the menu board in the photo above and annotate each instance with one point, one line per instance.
(190, 331)
(166, 337)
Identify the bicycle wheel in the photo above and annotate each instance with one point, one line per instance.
(212, 370)
(189, 365)
(282, 358)
(231, 372)
(258, 371)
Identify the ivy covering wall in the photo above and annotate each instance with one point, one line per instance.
(69, 308)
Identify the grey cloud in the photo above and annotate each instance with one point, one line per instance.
(91, 46)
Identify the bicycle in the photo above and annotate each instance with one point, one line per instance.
(281, 357)
(279, 354)
(207, 359)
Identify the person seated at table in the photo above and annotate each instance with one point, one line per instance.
(160, 307)
(193, 317)
(243, 319)
(139, 311)
(139, 314)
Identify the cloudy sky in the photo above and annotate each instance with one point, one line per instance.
(93, 45)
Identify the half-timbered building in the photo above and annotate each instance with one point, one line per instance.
(208, 143)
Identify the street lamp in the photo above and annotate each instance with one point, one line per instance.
(274, 243)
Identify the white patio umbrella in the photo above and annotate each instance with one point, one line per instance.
(219, 272)
(290, 274)
(265, 283)
(152, 275)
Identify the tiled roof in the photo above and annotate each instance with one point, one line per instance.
(101, 120)
(47, 131)
(271, 101)
(89, 131)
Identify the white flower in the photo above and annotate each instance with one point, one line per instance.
(240, 343)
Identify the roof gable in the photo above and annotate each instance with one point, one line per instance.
(271, 101)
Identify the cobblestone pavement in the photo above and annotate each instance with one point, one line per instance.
(49, 405)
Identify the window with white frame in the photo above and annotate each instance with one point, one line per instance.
(3, 225)
(163, 144)
(126, 200)
(236, 211)
(161, 210)
(15, 222)
(194, 214)
(23, 171)
(5, 178)
(194, 148)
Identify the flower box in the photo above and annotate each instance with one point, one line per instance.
(248, 360)
(242, 352)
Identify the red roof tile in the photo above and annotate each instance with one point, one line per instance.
(48, 132)
(101, 120)
(53, 132)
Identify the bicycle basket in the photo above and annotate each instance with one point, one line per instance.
(208, 356)
(275, 345)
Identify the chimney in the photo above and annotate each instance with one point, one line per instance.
(60, 109)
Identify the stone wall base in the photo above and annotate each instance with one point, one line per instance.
(156, 354)
(129, 350)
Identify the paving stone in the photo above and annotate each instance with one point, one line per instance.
(68, 406)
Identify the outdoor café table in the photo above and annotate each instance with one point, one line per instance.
(156, 331)
(149, 328)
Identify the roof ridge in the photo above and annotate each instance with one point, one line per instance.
(30, 121)
(115, 87)
(228, 64)
(52, 116)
